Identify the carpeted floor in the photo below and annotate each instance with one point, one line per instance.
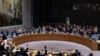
(59, 46)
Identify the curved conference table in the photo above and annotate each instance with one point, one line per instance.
(93, 45)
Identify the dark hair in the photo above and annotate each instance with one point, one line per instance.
(91, 54)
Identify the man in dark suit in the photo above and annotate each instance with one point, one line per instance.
(2, 50)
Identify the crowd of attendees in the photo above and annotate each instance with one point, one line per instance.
(71, 53)
(82, 30)
(7, 48)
